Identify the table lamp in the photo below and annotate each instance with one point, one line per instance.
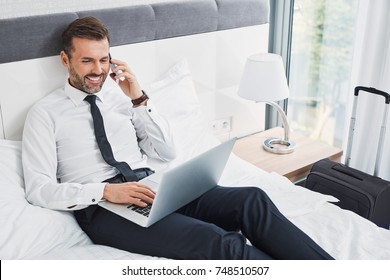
(264, 80)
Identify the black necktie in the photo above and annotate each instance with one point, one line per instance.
(104, 145)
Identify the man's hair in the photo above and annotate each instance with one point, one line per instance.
(87, 27)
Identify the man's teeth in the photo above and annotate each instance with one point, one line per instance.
(94, 79)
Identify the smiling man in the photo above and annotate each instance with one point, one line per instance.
(80, 141)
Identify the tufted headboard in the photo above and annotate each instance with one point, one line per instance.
(28, 44)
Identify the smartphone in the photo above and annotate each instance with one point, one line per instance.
(112, 66)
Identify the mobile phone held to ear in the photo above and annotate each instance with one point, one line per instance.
(112, 66)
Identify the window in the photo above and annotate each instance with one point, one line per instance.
(320, 67)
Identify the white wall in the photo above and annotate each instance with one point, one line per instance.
(2, 136)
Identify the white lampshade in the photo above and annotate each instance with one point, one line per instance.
(264, 78)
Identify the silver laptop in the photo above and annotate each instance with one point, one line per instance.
(177, 186)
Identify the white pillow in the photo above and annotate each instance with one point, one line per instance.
(29, 231)
(175, 98)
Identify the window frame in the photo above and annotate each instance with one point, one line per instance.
(279, 42)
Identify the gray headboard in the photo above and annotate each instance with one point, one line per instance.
(40, 36)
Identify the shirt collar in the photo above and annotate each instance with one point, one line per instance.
(77, 96)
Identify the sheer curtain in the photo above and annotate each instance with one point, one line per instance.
(371, 68)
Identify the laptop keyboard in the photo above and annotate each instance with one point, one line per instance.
(145, 211)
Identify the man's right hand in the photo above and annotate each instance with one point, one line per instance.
(129, 192)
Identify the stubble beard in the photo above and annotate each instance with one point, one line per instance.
(79, 81)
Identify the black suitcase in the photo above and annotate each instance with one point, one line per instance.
(362, 193)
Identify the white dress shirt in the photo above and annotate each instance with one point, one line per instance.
(62, 162)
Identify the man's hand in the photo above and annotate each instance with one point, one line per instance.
(130, 192)
(126, 80)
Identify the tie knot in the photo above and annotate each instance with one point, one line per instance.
(91, 98)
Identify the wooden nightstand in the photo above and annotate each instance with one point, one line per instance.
(294, 166)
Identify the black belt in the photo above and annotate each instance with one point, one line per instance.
(140, 173)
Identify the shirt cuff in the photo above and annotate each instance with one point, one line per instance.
(148, 111)
(93, 193)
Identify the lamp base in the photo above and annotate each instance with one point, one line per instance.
(279, 146)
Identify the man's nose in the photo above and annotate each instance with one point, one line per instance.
(97, 68)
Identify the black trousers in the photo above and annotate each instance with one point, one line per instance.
(214, 226)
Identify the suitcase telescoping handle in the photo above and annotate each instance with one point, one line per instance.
(374, 91)
(383, 126)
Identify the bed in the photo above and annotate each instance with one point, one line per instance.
(189, 85)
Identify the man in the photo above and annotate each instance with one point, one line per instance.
(65, 164)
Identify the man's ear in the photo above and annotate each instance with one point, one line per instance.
(64, 59)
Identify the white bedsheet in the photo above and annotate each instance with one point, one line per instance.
(343, 234)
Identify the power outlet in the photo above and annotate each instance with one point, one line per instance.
(221, 126)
